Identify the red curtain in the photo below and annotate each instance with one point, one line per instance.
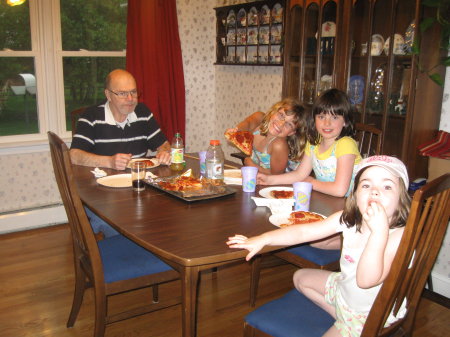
(154, 58)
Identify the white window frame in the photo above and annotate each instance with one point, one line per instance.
(45, 25)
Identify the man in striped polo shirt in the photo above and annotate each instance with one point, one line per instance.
(111, 134)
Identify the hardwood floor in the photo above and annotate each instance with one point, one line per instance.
(36, 276)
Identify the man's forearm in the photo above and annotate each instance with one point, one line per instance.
(80, 157)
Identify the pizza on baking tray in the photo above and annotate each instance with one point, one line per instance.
(302, 217)
(279, 194)
(243, 140)
(182, 183)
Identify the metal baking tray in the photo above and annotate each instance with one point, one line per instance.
(227, 190)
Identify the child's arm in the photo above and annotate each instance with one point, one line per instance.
(286, 236)
(251, 122)
(249, 162)
(300, 174)
(279, 154)
(380, 249)
(341, 183)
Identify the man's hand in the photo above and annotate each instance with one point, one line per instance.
(163, 153)
(164, 157)
(120, 161)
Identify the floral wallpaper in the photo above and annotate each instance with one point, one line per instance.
(217, 98)
(27, 181)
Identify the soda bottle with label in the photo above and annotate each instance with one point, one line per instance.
(177, 153)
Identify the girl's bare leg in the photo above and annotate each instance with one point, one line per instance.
(311, 282)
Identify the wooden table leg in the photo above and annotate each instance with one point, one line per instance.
(190, 279)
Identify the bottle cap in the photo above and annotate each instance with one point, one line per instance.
(214, 142)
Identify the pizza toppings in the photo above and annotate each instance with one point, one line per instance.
(182, 184)
(243, 140)
(280, 194)
(148, 162)
(302, 217)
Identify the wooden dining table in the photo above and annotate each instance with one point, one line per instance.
(189, 236)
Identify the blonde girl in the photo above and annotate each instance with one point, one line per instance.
(279, 136)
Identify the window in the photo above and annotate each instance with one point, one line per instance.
(54, 57)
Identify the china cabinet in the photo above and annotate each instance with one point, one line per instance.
(250, 33)
(347, 44)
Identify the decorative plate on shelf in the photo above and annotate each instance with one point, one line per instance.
(231, 18)
(277, 13)
(252, 17)
(275, 36)
(356, 89)
(242, 17)
(377, 45)
(265, 15)
(263, 36)
(399, 45)
(328, 29)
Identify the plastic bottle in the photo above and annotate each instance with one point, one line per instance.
(214, 161)
(177, 153)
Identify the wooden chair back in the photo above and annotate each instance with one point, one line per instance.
(74, 115)
(94, 261)
(369, 139)
(416, 255)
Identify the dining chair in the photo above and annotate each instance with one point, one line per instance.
(293, 315)
(302, 256)
(112, 266)
(368, 138)
(74, 115)
(239, 155)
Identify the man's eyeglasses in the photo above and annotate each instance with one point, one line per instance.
(125, 94)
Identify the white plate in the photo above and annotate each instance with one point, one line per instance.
(377, 45)
(282, 218)
(399, 45)
(265, 192)
(155, 162)
(117, 181)
(232, 177)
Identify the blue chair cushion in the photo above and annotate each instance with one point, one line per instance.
(318, 256)
(292, 315)
(123, 259)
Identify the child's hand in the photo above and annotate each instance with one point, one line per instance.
(231, 130)
(253, 245)
(376, 218)
(262, 179)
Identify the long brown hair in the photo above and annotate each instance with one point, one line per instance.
(351, 216)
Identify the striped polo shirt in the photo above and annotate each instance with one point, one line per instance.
(98, 132)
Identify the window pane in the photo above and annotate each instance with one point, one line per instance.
(84, 79)
(15, 27)
(18, 108)
(94, 25)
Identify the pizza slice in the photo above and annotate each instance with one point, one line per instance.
(302, 217)
(281, 194)
(243, 140)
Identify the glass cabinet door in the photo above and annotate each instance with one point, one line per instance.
(380, 72)
(310, 49)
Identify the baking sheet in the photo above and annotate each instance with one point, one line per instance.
(225, 190)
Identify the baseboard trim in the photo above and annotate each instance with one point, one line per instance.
(33, 218)
(441, 284)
